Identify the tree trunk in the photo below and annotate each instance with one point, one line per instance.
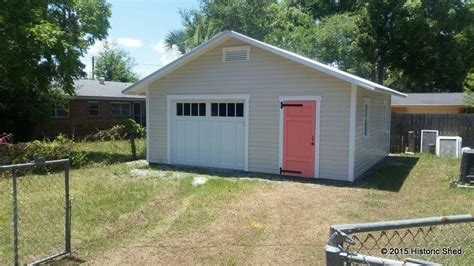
(380, 69)
(134, 148)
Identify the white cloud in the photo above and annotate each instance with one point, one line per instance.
(129, 42)
(98, 46)
(166, 55)
(125, 42)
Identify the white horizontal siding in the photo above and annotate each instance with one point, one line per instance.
(265, 78)
(370, 150)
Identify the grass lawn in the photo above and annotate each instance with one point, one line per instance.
(119, 219)
(108, 152)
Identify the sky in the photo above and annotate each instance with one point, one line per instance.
(139, 27)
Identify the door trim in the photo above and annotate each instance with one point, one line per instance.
(317, 99)
(244, 97)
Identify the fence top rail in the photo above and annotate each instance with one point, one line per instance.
(398, 224)
(31, 164)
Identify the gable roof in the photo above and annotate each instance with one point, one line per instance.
(455, 98)
(92, 89)
(139, 87)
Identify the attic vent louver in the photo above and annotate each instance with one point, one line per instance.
(236, 54)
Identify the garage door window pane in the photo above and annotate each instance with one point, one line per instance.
(194, 109)
(214, 110)
(222, 109)
(179, 109)
(187, 109)
(202, 109)
(231, 109)
(239, 109)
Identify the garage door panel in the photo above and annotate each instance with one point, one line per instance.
(228, 143)
(192, 142)
(180, 145)
(215, 143)
(205, 143)
(240, 144)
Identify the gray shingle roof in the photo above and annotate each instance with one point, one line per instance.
(455, 98)
(110, 89)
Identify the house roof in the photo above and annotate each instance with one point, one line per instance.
(429, 99)
(140, 86)
(92, 89)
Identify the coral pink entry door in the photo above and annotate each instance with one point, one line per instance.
(298, 138)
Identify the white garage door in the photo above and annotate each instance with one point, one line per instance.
(208, 133)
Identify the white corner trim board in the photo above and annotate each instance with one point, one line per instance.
(147, 112)
(316, 133)
(170, 99)
(352, 133)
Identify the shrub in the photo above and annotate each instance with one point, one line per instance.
(133, 131)
(59, 148)
(114, 133)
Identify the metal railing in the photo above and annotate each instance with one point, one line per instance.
(39, 208)
(444, 240)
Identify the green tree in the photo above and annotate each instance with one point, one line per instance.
(40, 49)
(432, 45)
(415, 45)
(336, 44)
(376, 24)
(115, 64)
(291, 29)
(326, 8)
(198, 28)
(469, 90)
(249, 17)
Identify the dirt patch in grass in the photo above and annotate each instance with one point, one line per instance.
(279, 222)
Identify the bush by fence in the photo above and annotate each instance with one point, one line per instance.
(75, 151)
(60, 147)
(448, 125)
(82, 153)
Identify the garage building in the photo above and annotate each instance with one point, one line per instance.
(238, 103)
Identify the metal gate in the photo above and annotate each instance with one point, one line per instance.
(35, 209)
(427, 241)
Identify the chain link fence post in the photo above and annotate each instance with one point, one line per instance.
(67, 223)
(15, 217)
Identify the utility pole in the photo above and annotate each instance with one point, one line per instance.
(93, 67)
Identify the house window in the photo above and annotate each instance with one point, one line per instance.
(227, 109)
(386, 113)
(120, 109)
(365, 117)
(60, 110)
(93, 109)
(190, 109)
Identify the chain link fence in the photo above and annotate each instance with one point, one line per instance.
(35, 210)
(437, 240)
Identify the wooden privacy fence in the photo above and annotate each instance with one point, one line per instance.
(447, 124)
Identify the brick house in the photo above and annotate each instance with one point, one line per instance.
(429, 103)
(97, 105)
